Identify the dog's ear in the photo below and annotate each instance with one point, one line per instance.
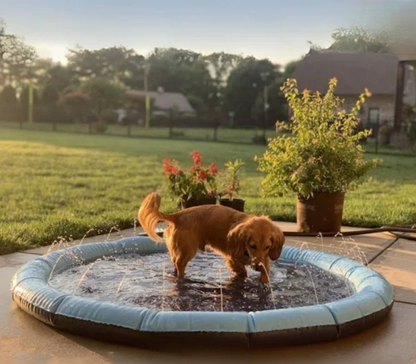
(238, 237)
(278, 239)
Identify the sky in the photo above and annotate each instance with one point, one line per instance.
(274, 29)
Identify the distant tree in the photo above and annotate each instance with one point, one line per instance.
(221, 64)
(277, 110)
(50, 96)
(24, 96)
(16, 58)
(170, 68)
(10, 109)
(8, 96)
(289, 69)
(76, 106)
(117, 64)
(198, 80)
(245, 84)
(359, 39)
(103, 94)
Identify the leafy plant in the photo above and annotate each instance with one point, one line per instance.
(231, 181)
(323, 151)
(100, 127)
(76, 105)
(197, 183)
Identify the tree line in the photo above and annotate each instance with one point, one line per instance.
(219, 86)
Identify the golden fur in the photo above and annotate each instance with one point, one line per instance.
(240, 238)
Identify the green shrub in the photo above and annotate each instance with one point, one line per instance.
(323, 153)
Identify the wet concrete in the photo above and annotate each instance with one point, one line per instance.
(398, 265)
(23, 339)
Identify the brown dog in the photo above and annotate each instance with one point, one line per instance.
(240, 238)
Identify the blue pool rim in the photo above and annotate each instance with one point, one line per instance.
(370, 304)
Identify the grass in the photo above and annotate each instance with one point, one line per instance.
(60, 185)
(205, 134)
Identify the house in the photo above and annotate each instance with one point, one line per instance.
(164, 102)
(377, 72)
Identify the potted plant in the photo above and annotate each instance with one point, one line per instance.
(321, 159)
(231, 186)
(197, 186)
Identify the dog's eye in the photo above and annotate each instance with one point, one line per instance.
(267, 247)
(253, 247)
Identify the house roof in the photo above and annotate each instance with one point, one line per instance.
(354, 71)
(166, 100)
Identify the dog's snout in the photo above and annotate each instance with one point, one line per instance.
(257, 266)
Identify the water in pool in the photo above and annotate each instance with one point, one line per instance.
(148, 281)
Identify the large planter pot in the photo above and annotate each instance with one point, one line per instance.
(192, 202)
(320, 213)
(235, 203)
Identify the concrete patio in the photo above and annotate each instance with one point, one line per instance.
(23, 339)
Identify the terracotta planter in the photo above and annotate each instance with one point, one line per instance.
(235, 203)
(192, 202)
(320, 213)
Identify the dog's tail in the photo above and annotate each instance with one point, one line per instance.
(149, 215)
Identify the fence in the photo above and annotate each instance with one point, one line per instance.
(214, 134)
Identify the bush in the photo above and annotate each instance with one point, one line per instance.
(76, 105)
(10, 109)
(103, 94)
(323, 154)
(100, 127)
(8, 96)
(109, 117)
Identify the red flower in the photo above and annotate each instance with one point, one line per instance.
(192, 169)
(169, 168)
(166, 162)
(197, 158)
(202, 175)
(212, 168)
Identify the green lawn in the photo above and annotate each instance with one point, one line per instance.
(59, 185)
(200, 134)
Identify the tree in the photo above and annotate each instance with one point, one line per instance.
(62, 79)
(24, 97)
(170, 68)
(200, 89)
(10, 110)
(289, 69)
(358, 39)
(220, 65)
(16, 58)
(245, 84)
(277, 110)
(50, 96)
(103, 94)
(8, 96)
(117, 64)
(184, 71)
(76, 105)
